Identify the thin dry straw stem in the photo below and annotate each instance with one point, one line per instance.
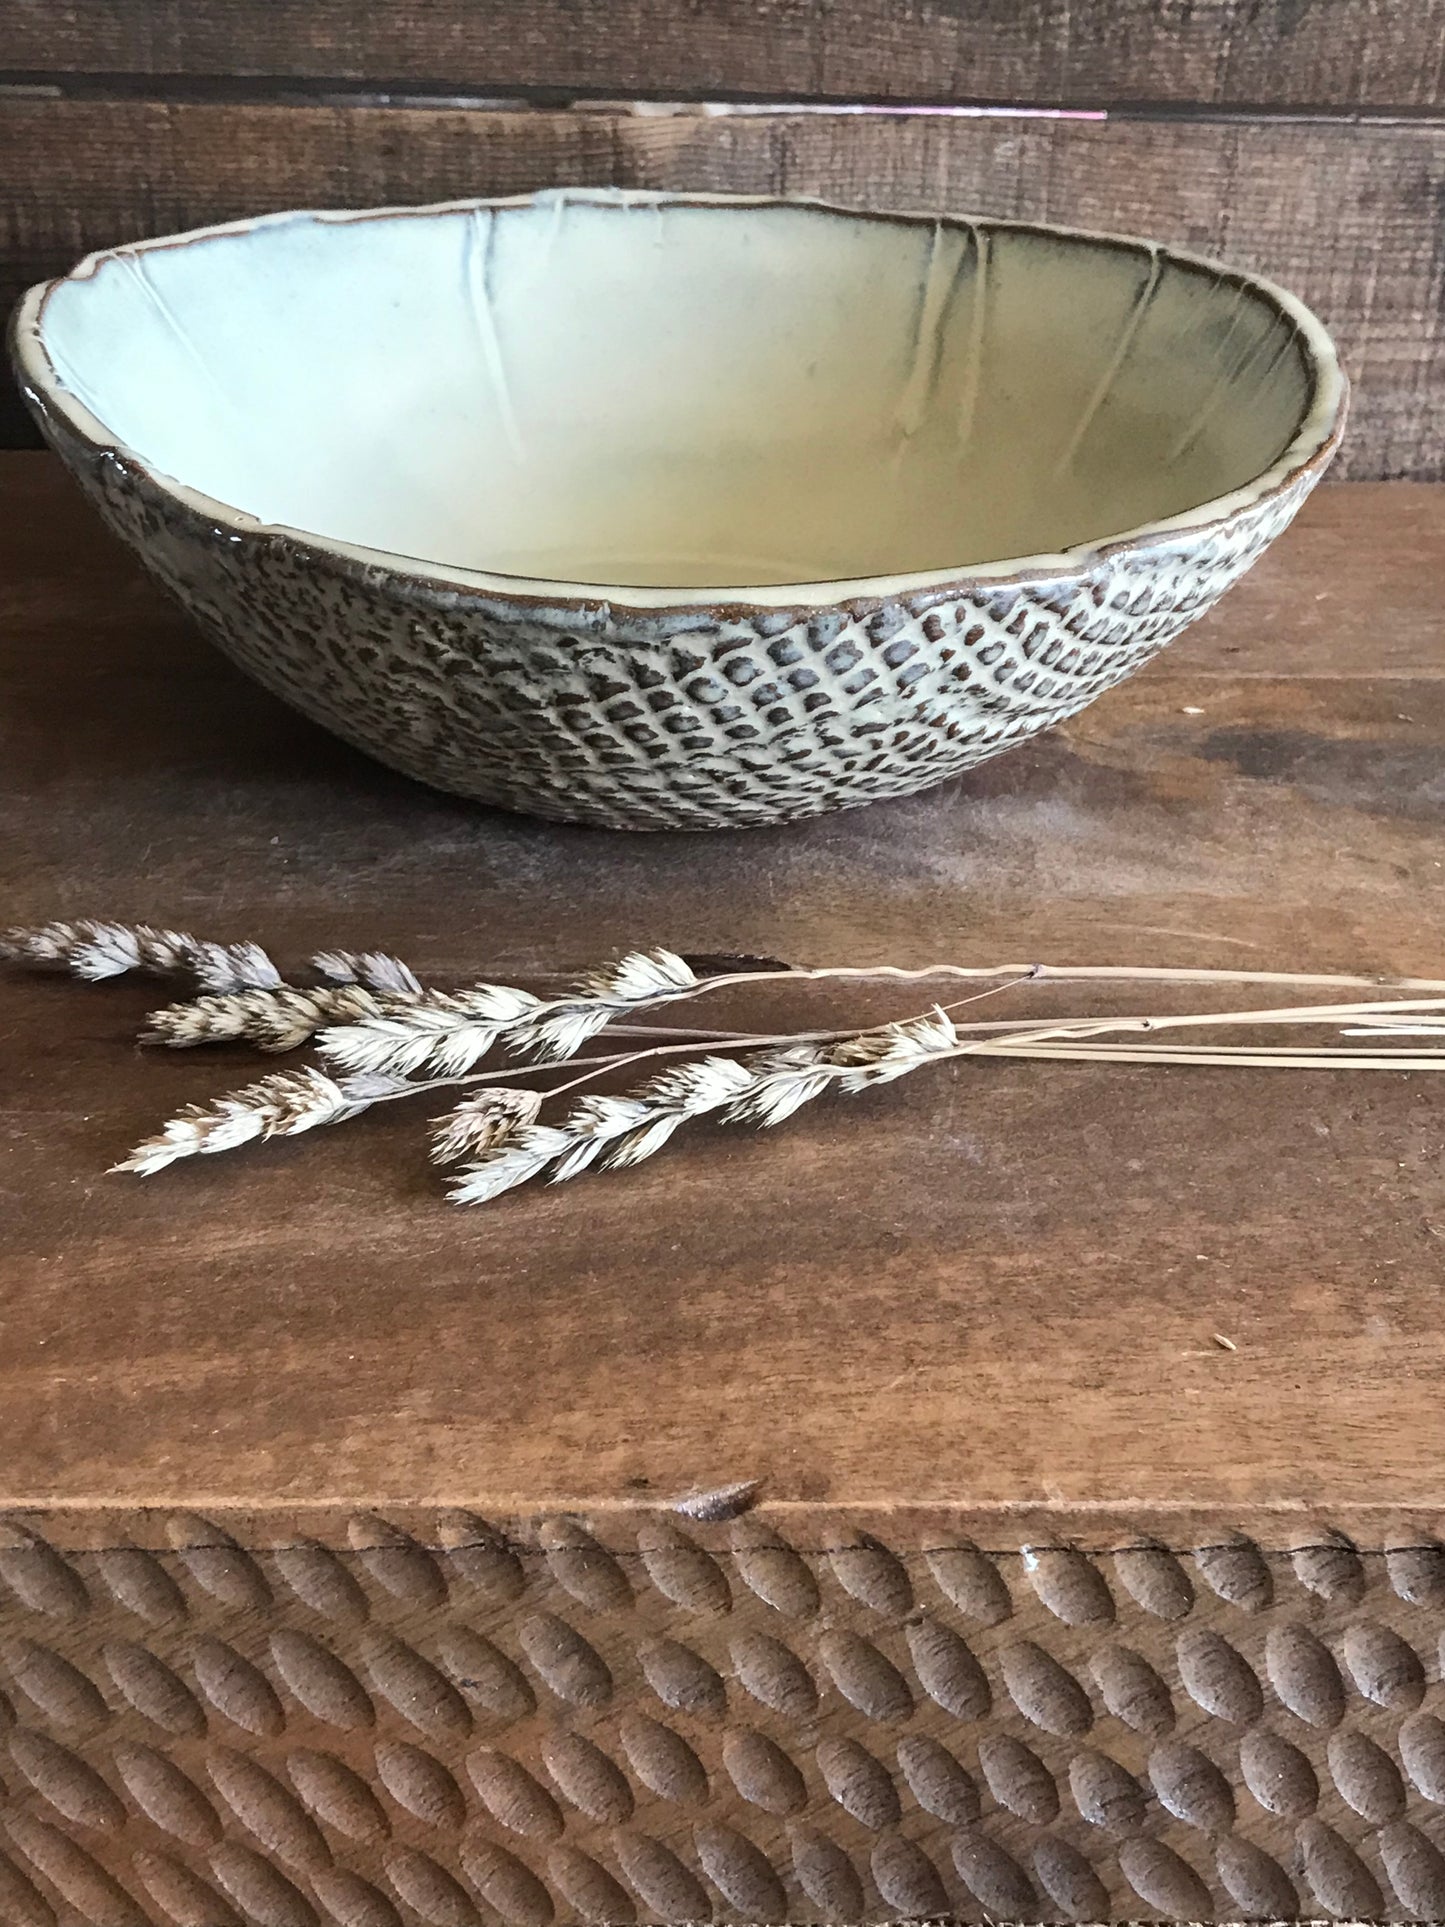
(1298, 1014)
(1054, 1044)
(1377, 1028)
(1066, 974)
(658, 1030)
(448, 1032)
(729, 1039)
(1371, 1026)
(1073, 1040)
(1236, 1056)
(1005, 1038)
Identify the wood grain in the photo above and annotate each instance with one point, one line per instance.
(989, 1297)
(1346, 216)
(1322, 52)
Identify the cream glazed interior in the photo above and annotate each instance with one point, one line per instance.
(688, 398)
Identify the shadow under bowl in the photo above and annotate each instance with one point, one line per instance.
(668, 511)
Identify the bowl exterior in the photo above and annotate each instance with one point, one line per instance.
(686, 718)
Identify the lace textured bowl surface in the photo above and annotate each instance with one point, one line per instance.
(668, 511)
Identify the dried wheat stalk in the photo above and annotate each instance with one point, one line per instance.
(385, 1036)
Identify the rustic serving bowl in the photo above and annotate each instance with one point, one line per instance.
(664, 511)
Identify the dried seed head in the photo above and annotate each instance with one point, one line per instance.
(613, 1131)
(482, 1123)
(232, 966)
(274, 1020)
(526, 1154)
(559, 1029)
(637, 978)
(703, 1083)
(281, 1105)
(877, 1056)
(370, 1085)
(96, 950)
(443, 1033)
(777, 1094)
(763, 1088)
(376, 969)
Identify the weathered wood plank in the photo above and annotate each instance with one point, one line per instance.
(996, 1287)
(1321, 52)
(342, 1568)
(1346, 215)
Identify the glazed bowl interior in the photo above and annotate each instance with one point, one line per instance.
(602, 389)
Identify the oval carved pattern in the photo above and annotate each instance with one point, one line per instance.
(580, 1719)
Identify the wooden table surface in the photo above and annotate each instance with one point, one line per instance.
(979, 1308)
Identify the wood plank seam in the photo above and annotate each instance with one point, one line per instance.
(98, 88)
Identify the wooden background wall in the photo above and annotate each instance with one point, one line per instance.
(1302, 137)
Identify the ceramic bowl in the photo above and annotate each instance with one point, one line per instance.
(663, 511)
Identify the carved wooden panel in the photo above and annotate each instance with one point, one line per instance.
(649, 1718)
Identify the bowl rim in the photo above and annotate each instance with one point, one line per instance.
(1310, 449)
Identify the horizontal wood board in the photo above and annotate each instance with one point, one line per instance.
(1250, 52)
(1349, 217)
(994, 1295)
